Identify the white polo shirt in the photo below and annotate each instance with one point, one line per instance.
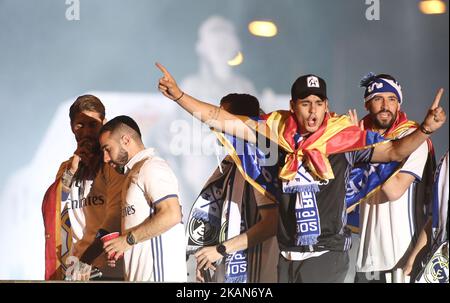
(163, 258)
(387, 227)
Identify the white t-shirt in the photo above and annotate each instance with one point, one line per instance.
(163, 258)
(93, 205)
(387, 228)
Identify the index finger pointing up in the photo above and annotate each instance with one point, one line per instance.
(437, 99)
(163, 70)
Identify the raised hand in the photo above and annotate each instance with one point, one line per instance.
(436, 115)
(354, 118)
(83, 153)
(75, 163)
(167, 84)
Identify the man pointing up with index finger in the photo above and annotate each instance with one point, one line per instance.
(317, 149)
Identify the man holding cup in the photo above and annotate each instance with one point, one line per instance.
(152, 238)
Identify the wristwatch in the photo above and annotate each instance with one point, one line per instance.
(221, 249)
(130, 239)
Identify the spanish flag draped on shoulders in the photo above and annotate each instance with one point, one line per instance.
(366, 179)
(58, 233)
(337, 134)
(304, 168)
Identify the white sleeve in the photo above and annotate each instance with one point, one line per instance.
(159, 181)
(416, 162)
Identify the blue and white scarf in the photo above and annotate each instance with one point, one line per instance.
(306, 210)
(364, 178)
(216, 216)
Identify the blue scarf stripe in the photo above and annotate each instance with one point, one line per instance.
(410, 210)
(236, 266)
(236, 271)
(157, 259)
(374, 138)
(308, 219)
(365, 179)
(254, 163)
(154, 263)
(64, 196)
(161, 258)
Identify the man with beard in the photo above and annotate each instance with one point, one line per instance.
(317, 148)
(152, 238)
(391, 216)
(83, 203)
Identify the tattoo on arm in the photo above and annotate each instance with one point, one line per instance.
(214, 113)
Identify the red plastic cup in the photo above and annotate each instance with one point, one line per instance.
(109, 237)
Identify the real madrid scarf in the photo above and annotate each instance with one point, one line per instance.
(217, 215)
(306, 162)
(226, 207)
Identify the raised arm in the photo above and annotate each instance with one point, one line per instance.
(400, 149)
(212, 115)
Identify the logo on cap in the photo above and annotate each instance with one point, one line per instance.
(312, 81)
(374, 85)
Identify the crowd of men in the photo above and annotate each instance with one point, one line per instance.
(114, 209)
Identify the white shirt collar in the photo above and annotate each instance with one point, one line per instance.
(145, 153)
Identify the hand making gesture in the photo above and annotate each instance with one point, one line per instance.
(435, 117)
(167, 85)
